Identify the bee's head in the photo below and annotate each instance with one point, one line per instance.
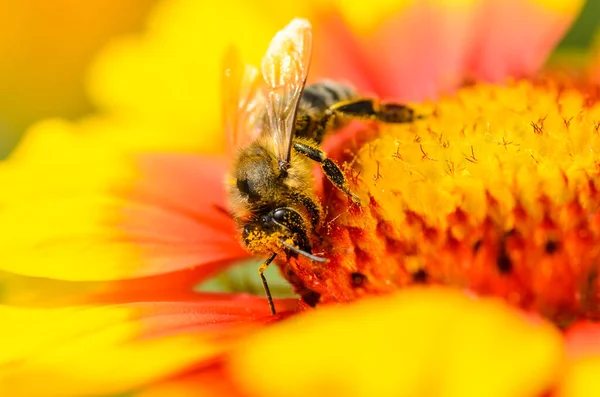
(280, 230)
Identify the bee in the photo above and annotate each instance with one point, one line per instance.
(276, 124)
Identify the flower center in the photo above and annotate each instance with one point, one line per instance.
(493, 192)
(525, 145)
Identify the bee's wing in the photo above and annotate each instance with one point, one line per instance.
(243, 101)
(285, 68)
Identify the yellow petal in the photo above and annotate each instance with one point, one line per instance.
(44, 292)
(58, 195)
(78, 208)
(416, 343)
(560, 6)
(82, 351)
(581, 379)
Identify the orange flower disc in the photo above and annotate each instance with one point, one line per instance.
(494, 192)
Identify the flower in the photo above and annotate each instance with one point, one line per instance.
(107, 227)
(501, 200)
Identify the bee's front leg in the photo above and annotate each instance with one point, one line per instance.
(331, 169)
(261, 270)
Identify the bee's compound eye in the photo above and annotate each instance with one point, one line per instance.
(279, 214)
(247, 230)
(246, 188)
(243, 186)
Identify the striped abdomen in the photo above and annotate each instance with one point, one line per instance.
(316, 99)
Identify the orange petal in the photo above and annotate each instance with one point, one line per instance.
(417, 342)
(208, 382)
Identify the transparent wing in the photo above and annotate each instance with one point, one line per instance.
(285, 68)
(243, 101)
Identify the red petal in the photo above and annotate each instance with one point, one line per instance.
(337, 55)
(176, 215)
(583, 339)
(426, 48)
(218, 316)
(514, 38)
(164, 287)
(419, 52)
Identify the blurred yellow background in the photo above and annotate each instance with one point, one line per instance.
(46, 47)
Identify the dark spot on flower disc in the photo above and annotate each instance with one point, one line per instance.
(510, 232)
(311, 298)
(477, 245)
(551, 246)
(420, 276)
(357, 279)
(503, 261)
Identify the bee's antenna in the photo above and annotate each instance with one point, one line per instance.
(304, 253)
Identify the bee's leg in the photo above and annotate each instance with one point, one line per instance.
(362, 108)
(331, 169)
(371, 109)
(261, 270)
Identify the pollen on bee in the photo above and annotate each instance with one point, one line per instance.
(257, 238)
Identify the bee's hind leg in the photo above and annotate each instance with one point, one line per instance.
(361, 108)
(331, 169)
(371, 109)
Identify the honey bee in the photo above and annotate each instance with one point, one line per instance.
(275, 124)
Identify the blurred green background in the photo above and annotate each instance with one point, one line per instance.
(581, 35)
(46, 47)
